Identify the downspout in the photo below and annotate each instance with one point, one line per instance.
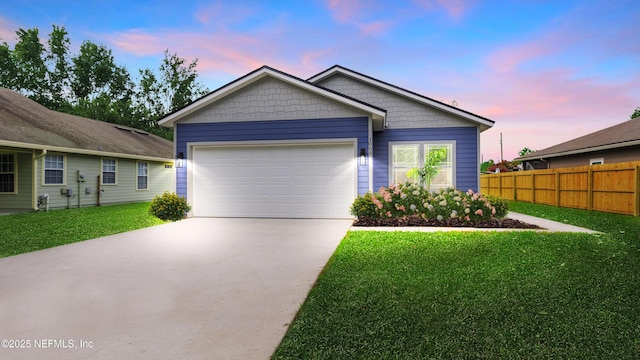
(34, 178)
(547, 161)
(370, 153)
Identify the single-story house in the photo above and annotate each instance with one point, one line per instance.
(618, 143)
(270, 144)
(51, 160)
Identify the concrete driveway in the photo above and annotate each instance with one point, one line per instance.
(200, 288)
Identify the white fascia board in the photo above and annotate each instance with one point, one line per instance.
(20, 145)
(402, 92)
(251, 78)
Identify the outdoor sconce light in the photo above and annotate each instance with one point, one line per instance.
(363, 157)
(180, 160)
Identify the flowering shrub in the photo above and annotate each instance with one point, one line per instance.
(411, 200)
(169, 206)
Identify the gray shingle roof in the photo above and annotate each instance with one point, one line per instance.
(24, 121)
(621, 135)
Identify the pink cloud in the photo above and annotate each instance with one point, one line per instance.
(359, 15)
(455, 9)
(137, 42)
(344, 10)
(7, 30)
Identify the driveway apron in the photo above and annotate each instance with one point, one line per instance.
(201, 288)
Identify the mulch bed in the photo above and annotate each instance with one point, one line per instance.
(505, 223)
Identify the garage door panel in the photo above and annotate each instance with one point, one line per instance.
(274, 181)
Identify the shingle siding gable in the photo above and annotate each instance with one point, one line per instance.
(271, 99)
(402, 113)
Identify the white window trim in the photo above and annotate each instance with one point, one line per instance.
(138, 175)
(15, 174)
(64, 169)
(102, 172)
(596, 161)
(421, 155)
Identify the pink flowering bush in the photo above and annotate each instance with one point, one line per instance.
(411, 200)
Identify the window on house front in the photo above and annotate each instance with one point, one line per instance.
(109, 171)
(598, 161)
(143, 176)
(407, 156)
(7, 173)
(54, 169)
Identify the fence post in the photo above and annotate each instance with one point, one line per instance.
(533, 188)
(590, 188)
(636, 194)
(557, 188)
(515, 195)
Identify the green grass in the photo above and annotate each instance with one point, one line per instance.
(22, 233)
(460, 295)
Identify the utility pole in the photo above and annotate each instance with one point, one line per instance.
(501, 156)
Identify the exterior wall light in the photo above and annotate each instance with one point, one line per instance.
(363, 157)
(180, 160)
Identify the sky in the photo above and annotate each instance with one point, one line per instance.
(544, 71)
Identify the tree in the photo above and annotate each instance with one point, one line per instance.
(636, 113)
(91, 84)
(525, 151)
(57, 60)
(30, 67)
(484, 167)
(172, 87)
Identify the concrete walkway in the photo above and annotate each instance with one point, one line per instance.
(196, 289)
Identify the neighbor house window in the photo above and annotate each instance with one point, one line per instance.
(54, 169)
(143, 176)
(598, 161)
(109, 171)
(7, 173)
(407, 156)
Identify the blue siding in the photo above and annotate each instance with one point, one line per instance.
(273, 130)
(467, 168)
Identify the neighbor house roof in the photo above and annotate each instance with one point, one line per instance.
(483, 122)
(617, 136)
(27, 124)
(378, 114)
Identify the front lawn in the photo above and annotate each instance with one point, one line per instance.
(488, 295)
(22, 233)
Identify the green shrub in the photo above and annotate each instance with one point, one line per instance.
(500, 204)
(169, 206)
(398, 201)
(363, 207)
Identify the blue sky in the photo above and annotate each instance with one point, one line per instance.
(545, 71)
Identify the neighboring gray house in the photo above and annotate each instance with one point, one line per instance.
(55, 160)
(270, 144)
(618, 143)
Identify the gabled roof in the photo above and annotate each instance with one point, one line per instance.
(378, 114)
(617, 136)
(483, 122)
(26, 124)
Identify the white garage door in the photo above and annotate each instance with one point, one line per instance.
(286, 181)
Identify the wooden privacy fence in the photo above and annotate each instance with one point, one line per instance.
(611, 188)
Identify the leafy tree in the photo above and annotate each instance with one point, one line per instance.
(636, 113)
(91, 84)
(57, 60)
(484, 167)
(525, 151)
(28, 55)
